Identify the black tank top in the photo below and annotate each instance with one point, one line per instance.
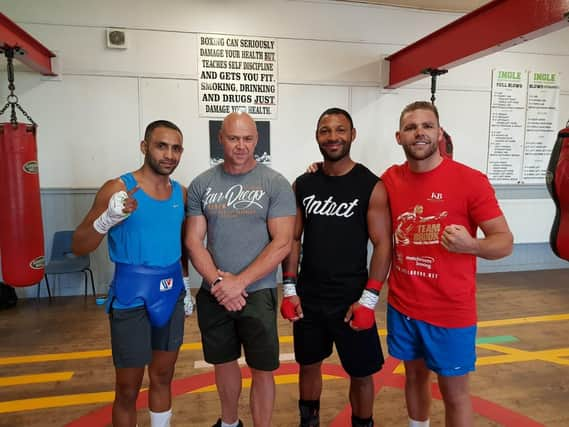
(334, 250)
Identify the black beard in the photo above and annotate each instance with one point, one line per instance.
(155, 166)
(344, 153)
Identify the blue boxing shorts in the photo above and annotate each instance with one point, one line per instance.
(446, 351)
(158, 287)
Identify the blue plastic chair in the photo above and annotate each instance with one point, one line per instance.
(63, 261)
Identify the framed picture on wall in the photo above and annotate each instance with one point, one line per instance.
(262, 150)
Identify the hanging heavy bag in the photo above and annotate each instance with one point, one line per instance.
(21, 229)
(557, 180)
(445, 145)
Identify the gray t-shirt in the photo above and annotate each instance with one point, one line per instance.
(237, 208)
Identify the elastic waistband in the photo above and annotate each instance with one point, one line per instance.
(121, 268)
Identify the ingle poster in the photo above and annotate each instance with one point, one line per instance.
(237, 73)
(524, 113)
(507, 123)
(542, 120)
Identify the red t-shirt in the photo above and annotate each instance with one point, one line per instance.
(426, 281)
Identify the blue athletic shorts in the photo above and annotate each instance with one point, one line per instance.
(446, 351)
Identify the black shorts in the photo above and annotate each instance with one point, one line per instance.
(255, 327)
(359, 351)
(133, 338)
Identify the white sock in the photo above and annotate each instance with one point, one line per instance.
(160, 419)
(235, 424)
(413, 423)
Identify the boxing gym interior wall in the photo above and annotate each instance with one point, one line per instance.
(92, 115)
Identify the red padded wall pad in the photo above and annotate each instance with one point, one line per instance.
(558, 186)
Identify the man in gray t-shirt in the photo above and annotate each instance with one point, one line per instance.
(247, 211)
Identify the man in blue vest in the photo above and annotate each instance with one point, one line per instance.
(143, 212)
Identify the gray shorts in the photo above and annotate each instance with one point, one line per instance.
(133, 338)
(254, 327)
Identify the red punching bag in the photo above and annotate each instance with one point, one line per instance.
(21, 229)
(557, 180)
(445, 145)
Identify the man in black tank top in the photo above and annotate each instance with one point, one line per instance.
(339, 208)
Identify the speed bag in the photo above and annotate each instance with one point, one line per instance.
(445, 145)
(21, 230)
(557, 180)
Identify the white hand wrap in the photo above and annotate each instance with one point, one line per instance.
(368, 299)
(188, 299)
(113, 215)
(289, 290)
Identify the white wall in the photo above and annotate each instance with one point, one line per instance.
(92, 118)
(329, 53)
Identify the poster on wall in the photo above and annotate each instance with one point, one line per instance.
(262, 150)
(507, 117)
(541, 125)
(237, 73)
(524, 112)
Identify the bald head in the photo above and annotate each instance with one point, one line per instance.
(239, 119)
(238, 136)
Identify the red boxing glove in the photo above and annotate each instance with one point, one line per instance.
(363, 316)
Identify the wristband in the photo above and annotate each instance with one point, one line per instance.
(374, 285)
(289, 275)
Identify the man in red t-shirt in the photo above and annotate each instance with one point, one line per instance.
(437, 205)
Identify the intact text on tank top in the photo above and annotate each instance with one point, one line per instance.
(335, 237)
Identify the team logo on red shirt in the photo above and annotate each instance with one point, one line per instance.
(414, 228)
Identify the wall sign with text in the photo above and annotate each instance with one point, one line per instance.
(524, 112)
(237, 73)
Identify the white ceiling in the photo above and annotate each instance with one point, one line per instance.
(440, 5)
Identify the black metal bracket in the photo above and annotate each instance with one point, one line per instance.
(434, 73)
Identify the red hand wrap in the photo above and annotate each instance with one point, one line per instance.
(288, 309)
(363, 318)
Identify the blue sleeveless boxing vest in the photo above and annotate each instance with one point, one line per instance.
(146, 249)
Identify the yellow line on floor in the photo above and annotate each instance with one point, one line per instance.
(191, 346)
(35, 379)
(54, 357)
(283, 339)
(108, 396)
(56, 401)
(521, 320)
(511, 355)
